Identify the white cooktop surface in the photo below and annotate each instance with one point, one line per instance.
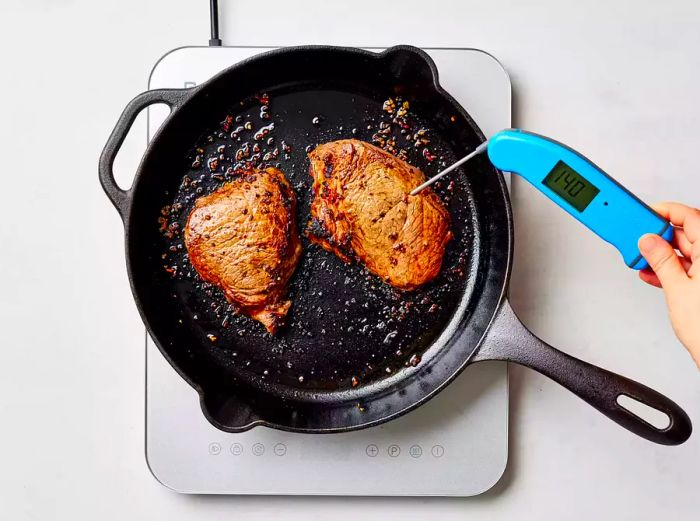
(457, 444)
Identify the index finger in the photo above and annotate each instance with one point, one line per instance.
(681, 215)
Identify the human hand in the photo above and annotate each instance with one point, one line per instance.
(676, 269)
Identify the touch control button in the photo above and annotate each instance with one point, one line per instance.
(236, 449)
(438, 451)
(214, 449)
(416, 451)
(258, 449)
(280, 449)
(394, 450)
(372, 450)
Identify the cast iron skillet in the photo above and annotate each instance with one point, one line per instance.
(355, 353)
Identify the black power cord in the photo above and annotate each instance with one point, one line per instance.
(214, 41)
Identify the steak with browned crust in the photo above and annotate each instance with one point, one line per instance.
(362, 209)
(243, 238)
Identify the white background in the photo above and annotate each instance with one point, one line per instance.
(617, 79)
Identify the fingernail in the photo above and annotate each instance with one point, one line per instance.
(649, 242)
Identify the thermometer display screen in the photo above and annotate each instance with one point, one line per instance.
(571, 186)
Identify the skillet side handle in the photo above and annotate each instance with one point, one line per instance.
(509, 340)
(121, 198)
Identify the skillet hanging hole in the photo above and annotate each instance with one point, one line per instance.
(658, 419)
(132, 150)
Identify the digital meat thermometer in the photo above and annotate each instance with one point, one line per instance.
(575, 184)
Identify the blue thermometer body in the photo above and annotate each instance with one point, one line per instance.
(581, 188)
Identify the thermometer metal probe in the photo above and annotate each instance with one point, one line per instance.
(577, 185)
(478, 150)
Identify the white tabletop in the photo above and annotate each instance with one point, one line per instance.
(617, 80)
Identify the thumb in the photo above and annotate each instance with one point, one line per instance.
(663, 260)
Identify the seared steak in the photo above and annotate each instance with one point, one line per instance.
(362, 210)
(243, 238)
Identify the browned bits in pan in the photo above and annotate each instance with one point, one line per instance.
(226, 123)
(389, 106)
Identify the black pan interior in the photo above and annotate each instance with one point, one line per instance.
(348, 336)
(345, 323)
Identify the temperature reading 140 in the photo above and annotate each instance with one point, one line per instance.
(570, 186)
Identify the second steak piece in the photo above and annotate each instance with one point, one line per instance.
(243, 238)
(362, 210)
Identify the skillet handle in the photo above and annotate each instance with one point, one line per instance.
(509, 340)
(121, 199)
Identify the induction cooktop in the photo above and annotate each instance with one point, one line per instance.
(455, 445)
